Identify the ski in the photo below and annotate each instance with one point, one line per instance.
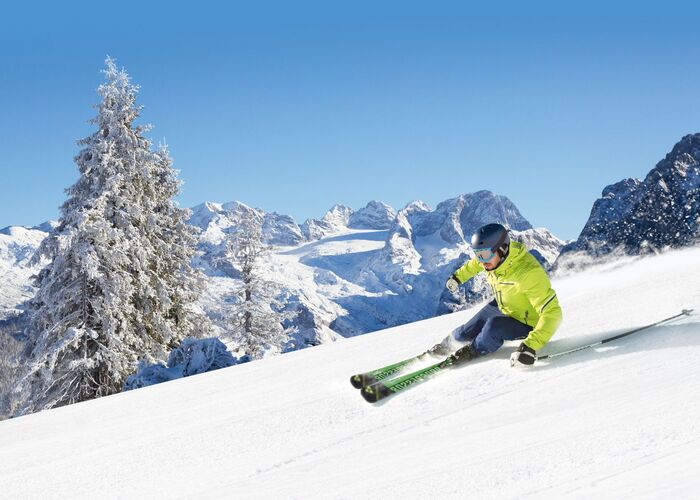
(375, 386)
(364, 379)
(380, 390)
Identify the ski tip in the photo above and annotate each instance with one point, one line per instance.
(375, 392)
(362, 380)
(687, 311)
(356, 381)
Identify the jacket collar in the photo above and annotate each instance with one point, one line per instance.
(515, 252)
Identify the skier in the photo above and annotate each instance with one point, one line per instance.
(524, 307)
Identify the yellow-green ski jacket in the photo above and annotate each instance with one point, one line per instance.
(522, 290)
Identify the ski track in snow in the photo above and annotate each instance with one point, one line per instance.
(617, 421)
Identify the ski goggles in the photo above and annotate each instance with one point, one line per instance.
(484, 254)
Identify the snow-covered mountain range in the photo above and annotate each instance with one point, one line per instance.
(351, 272)
(354, 271)
(346, 273)
(635, 216)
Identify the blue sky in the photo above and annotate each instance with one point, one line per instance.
(292, 107)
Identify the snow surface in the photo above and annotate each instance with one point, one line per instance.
(619, 421)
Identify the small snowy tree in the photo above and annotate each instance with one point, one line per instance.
(257, 316)
(192, 357)
(120, 286)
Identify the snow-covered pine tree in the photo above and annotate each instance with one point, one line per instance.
(171, 288)
(120, 286)
(257, 316)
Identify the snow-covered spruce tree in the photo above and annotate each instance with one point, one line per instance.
(120, 286)
(257, 315)
(171, 288)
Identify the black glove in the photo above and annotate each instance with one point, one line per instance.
(523, 356)
(464, 354)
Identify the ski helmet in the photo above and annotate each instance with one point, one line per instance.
(489, 240)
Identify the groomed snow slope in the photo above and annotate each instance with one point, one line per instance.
(614, 422)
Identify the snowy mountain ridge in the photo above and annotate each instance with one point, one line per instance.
(616, 421)
(635, 217)
(361, 271)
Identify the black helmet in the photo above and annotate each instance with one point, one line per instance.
(493, 238)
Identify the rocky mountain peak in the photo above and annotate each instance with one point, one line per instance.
(375, 215)
(633, 216)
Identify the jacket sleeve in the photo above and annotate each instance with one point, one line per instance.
(471, 268)
(544, 300)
